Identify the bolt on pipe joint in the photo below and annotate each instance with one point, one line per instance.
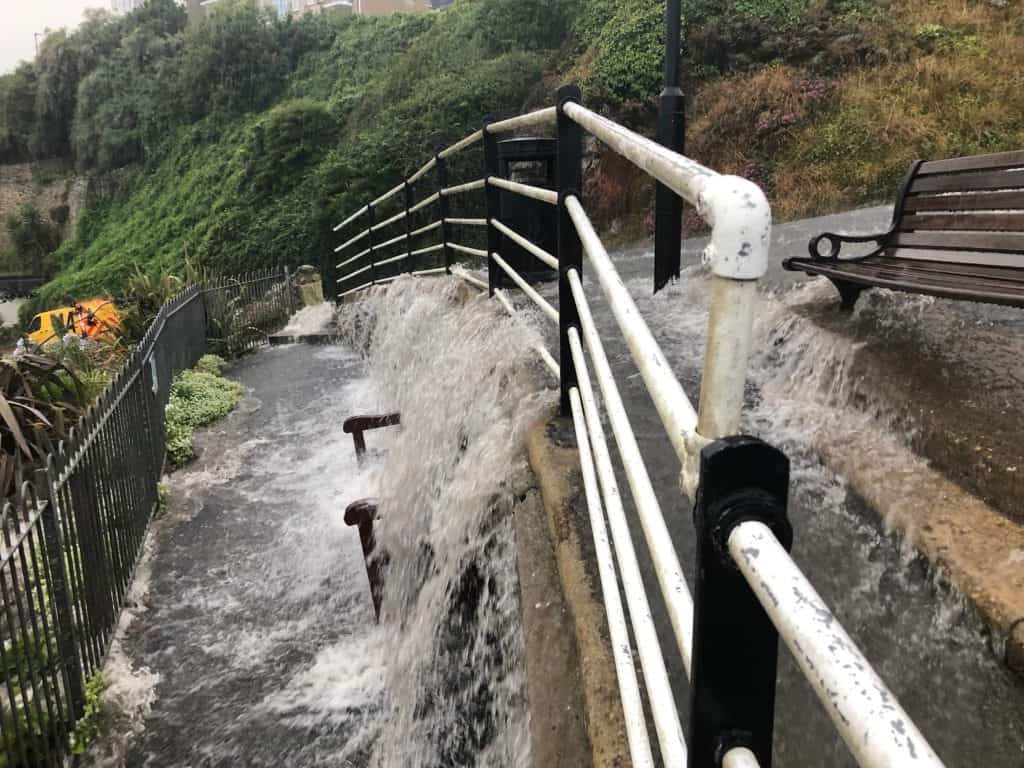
(741, 227)
(742, 478)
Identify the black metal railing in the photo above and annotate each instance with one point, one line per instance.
(244, 309)
(72, 537)
(748, 591)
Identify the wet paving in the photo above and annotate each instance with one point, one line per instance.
(257, 630)
(257, 601)
(924, 641)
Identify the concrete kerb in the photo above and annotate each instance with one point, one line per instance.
(975, 549)
(554, 459)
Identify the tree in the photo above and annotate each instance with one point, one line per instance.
(231, 62)
(17, 113)
(33, 238)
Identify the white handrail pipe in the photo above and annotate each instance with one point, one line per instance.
(460, 145)
(548, 196)
(867, 715)
(530, 246)
(618, 633)
(540, 117)
(526, 288)
(678, 601)
(652, 662)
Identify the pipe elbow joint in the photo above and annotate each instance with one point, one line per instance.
(741, 227)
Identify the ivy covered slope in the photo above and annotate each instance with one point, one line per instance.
(237, 142)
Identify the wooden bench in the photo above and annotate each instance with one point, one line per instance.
(957, 231)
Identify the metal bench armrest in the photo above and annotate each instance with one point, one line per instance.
(836, 242)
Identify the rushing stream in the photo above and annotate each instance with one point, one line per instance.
(251, 639)
(924, 641)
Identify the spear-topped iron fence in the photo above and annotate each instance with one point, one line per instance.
(73, 535)
(748, 590)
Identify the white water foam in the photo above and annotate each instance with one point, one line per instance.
(312, 319)
(131, 690)
(465, 379)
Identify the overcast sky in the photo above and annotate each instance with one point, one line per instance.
(21, 19)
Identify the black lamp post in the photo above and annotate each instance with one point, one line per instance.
(668, 206)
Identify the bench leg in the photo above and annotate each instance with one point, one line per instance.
(848, 293)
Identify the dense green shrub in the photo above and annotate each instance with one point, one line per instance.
(628, 53)
(34, 238)
(197, 398)
(212, 364)
(91, 723)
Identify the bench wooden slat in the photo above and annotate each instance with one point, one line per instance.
(977, 241)
(933, 281)
(966, 201)
(970, 291)
(956, 268)
(963, 182)
(934, 274)
(957, 257)
(974, 163)
(998, 222)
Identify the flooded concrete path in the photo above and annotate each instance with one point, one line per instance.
(924, 640)
(257, 628)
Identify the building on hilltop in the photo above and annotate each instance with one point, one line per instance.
(125, 6)
(197, 9)
(387, 7)
(302, 7)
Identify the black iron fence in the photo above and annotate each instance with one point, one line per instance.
(71, 539)
(243, 310)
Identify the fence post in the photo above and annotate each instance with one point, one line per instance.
(371, 219)
(735, 644)
(408, 224)
(70, 660)
(442, 210)
(288, 290)
(570, 250)
(493, 197)
(668, 206)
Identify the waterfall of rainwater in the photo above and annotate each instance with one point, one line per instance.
(466, 382)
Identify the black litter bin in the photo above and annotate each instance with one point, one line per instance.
(528, 161)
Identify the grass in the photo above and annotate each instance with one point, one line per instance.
(930, 79)
(952, 84)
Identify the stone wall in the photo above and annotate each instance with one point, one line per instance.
(58, 194)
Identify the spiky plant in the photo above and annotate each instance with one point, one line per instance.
(40, 400)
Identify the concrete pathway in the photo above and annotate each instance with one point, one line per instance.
(257, 625)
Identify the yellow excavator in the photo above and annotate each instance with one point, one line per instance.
(86, 319)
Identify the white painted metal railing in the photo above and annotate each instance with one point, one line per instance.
(874, 726)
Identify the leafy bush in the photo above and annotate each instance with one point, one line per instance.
(210, 364)
(34, 239)
(628, 54)
(91, 723)
(197, 398)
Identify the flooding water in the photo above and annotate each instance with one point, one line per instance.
(251, 641)
(251, 638)
(924, 641)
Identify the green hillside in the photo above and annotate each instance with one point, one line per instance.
(237, 142)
